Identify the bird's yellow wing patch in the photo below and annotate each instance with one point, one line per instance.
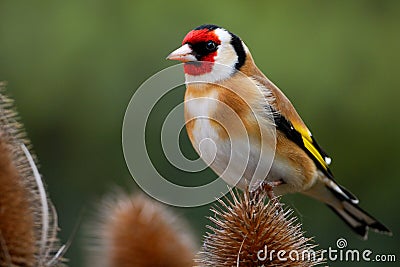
(313, 150)
(311, 145)
(300, 135)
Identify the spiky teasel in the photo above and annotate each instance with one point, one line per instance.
(133, 230)
(248, 232)
(28, 222)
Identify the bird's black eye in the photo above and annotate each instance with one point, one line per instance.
(211, 46)
(202, 49)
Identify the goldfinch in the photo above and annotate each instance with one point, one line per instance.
(248, 131)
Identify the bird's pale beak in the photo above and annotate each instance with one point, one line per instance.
(183, 53)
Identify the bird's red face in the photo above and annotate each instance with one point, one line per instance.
(198, 51)
(210, 53)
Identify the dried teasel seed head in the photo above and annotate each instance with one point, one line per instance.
(135, 231)
(28, 222)
(248, 232)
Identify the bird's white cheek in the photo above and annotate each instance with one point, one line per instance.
(226, 56)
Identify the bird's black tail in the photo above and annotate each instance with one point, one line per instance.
(358, 219)
(345, 205)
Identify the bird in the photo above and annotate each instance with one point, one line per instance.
(249, 133)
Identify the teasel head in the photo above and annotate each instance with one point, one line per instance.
(134, 230)
(249, 232)
(28, 221)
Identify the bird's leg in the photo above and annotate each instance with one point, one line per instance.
(268, 186)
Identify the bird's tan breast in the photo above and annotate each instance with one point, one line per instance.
(200, 107)
(228, 115)
(229, 105)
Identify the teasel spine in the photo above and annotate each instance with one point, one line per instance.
(246, 225)
(134, 230)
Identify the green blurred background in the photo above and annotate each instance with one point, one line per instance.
(72, 67)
